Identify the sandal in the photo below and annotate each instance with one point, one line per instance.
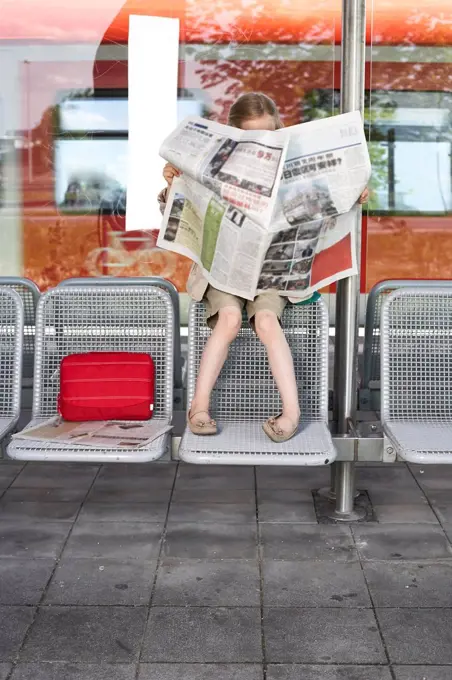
(203, 428)
(276, 433)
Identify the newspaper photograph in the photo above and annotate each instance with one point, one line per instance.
(98, 434)
(267, 210)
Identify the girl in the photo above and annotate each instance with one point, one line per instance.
(254, 111)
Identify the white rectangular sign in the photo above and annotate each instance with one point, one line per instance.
(153, 73)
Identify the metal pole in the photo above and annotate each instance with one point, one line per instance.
(347, 297)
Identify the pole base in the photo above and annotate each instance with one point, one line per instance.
(354, 516)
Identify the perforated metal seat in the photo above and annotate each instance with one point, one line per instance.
(416, 361)
(245, 394)
(72, 320)
(29, 294)
(371, 376)
(11, 343)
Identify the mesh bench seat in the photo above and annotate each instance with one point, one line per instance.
(169, 287)
(416, 364)
(11, 344)
(72, 320)
(245, 394)
(29, 294)
(371, 368)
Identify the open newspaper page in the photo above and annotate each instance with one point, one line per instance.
(294, 236)
(243, 167)
(313, 242)
(218, 236)
(96, 434)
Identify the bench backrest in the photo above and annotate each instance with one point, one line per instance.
(416, 354)
(72, 320)
(245, 390)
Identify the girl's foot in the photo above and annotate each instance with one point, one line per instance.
(201, 423)
(280, 428)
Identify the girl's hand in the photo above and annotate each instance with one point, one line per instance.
(364, 196)
(170, 172)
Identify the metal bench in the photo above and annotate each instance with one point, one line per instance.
(72, 320)
(11, 343)
(147, 281)
(30, 294)
(245, 394)
(369, 394)
(416, 363)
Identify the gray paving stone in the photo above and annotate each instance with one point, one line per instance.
(123, 540)
(401, 542)
(86, 634)
(420, 513)
(213, 583)
(423, 672)
(301, 542)
(410, 584)
(35, 539)
(45, 495)
(212, 541)
(389, 477)
(314, 584)
(294, 672)
(124, 512)
(8, 472)
(186, 671)
(396, 496)
(241, 496)
(133, 490)
(345, 636)
(292, 477)
(417, 636)
(14, 623)
(203, 635)
(101, 582)
(23, 581)
(216, 512)
(63, 512)
(4, 670)
(433, 477)
(286, 506)
(57, 475)
(214, 477)
(73, 671)
(441, 499)
(152, 476)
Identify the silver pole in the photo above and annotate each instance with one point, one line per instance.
(347, 298)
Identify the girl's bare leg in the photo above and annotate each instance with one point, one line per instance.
(280, 359)
(214, 355)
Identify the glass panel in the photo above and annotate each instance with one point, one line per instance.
(408, 230)
(64, 122)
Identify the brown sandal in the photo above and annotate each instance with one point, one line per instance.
(204, 428)
(275, 433)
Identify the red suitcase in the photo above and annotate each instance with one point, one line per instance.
(106, 386)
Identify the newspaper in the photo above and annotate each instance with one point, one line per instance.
(259, 210)
(97, 434)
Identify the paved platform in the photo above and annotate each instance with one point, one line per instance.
(174, 572)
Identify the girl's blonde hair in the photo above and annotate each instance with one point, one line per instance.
(253, 105)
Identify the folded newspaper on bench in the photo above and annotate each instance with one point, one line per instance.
(259, 210)
(97, 434)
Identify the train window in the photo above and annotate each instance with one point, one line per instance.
(91, 131)
(410, 139)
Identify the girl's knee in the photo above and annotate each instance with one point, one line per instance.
(230, 320)
(266, 325)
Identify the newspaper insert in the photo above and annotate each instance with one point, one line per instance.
(259, 210)
(97, 434)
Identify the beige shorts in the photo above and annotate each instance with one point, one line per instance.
(269, 301)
